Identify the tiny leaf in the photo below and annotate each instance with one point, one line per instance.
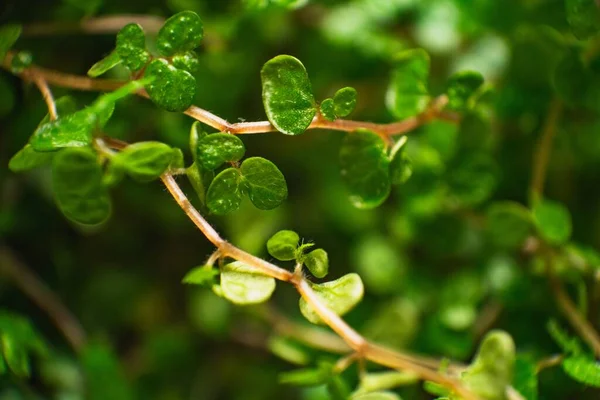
(265, 183)
(131, 47)
(27, 158)
(407, 94)
(242, 284)
(327, 109)
(344, 101)
(287, 95)
(77, 183)
(203, 276)
(583, 369)
(365, 168)
(553, 221)
(215, 149)
(224, 194)
(182, 32)
(317, 263)
(283, 245)
(461, 90)
(340, 296)
(187, 61)
(107, 63)
(8, 36)
(172, 89)
(144, 161)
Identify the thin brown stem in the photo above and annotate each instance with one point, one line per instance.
(544, 148)
(47, 95)
(30, 284)
(93, 26)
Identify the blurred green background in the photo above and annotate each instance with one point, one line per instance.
(435, 280)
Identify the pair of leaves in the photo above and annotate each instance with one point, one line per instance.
(368, 170)
(284, 246)
(259, 178)
(342, 104)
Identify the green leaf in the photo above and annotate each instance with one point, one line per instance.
(144, 161)
(203, 276)
(583, 369)
(553, 221)
(340, 296)
(131, 47)
(200, 180)
(265, 183)
(177, 159)
(182, 32)
(18, 341)
(365, 168)
(283, 245)
(27, 159)
(378, 381)
(461, 90)
(288, 350)
(20, 62)
(172, 89)
(105, 378)
(187, 61)
(327, 109)
(8, 36)
(225, 193)
(525, 379)
(376, 396)
(407, 94)
(508, 224)
(77, 184)
(317, 263)
(196, 134)
(307, 376)
(106, 64)
(215, 149)
(287, 95)
(584, 17)
(344, 101)
(491, 372)
(243, 284)
(15, 355)
(401, 167)
(474, 179)
(74, 130)
(64, 105)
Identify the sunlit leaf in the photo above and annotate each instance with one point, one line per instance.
(187, 61)
(242, 284)
(131, 47)
(583, 369)
(283, 245)
(172, 89)
(344, 101)
(376, 396)
(202, 276)
(104, 65)
(317, 263)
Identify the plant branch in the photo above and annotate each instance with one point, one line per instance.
(98, 25)
(47, 95)
(30, 284)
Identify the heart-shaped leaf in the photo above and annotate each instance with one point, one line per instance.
(242, 284)
(182, 32)
(77, 184)
(365, 168)
(287, 95)
(265, 183)
(172, 89)
(225, 193)
(215, 149)
(340, 296)
(131, 47)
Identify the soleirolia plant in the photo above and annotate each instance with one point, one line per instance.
(422, 194)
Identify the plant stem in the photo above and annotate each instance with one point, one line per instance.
(98, 25)
(43, 297)
(47, 95)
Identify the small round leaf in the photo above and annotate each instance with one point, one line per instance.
(317, 263)
(553, 221)
(344, 101)
(145, 161)
(265, 183)
(131, 47)
(287, 95)
(187, 61)
(365, 168)
(182, 32)
(224, 194)
(242, 284)
(327, 109)
(340, 296)
(171, 88)
(77, 183)
(283, 245)
(215, 149)
(407, 94)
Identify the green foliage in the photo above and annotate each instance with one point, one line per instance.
(215, 149)
(553, 221)
(317, 263)
(525, 379)
(131, 47)
(344, 101)
(106, 64)
(264, 182)
(18, 341)
(283, 245)
(102, 367)
(225, 192)
(287, 95)
(376, 396)
(27, 158)
(8, 36)
(243, 284)
(509, 224)
(340, 295)
(144, 161)
(21, 61)
(365, 168)
(327, 109)
(180, 33)
(408, 92)
(187, 61)
(583, 369)
(462, 89)
(74, 130)
(203, 276)
(77, 184)
(583, 16)
(171, 88)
